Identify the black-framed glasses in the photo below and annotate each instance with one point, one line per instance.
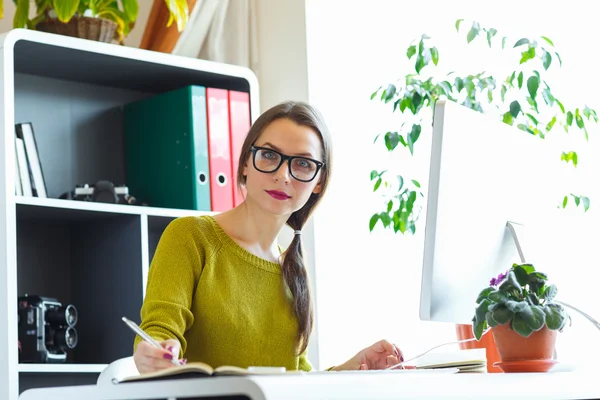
(268, 160)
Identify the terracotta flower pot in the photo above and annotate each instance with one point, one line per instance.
(98, 29)
(514, 347)
(465, 331)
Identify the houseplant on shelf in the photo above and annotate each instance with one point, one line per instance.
(101, 20)
(519, 309)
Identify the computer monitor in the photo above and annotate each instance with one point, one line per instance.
(483, 174)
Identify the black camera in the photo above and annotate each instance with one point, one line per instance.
(102, 192)
(46, 329)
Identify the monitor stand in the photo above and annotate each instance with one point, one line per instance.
(519, 234)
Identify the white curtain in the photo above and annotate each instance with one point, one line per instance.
(222, 31)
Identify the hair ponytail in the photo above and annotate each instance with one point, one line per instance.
(296, 278)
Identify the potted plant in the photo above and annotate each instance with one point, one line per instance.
(101, 20)
(519, 309)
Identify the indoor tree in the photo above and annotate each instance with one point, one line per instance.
(520, 97)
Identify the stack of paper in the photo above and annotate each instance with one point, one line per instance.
(469, 360)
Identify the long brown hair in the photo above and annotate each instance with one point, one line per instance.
(294, 270)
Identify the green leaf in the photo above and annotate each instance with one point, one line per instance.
(570, 156)
(130, 9)
(521, 275)
(548, 41)
(489, 319)
(520, 326)
(507, 118)
(550, 292)
(503, 41)
(546, 59)
(411, 51)
(534, 317)
(478, 328)
(578, 119)
(565, 200)
(555, 316)
(390, 206)
(419, 63)
(21, 14)
(521, 42)
(502, 314)
(482, 309)
(532, 118)
(515, 109)
(520, 80)
(400, 182)
(484, 294)
(533, 83)
(560, 105)
(377, 184)
(373, 221)
(457, 24)
(473, 32)
(586, 202)
(391, 140)
(559, 59)
(417, 100)
(374, 174)
(389, 93)
(416, 183)
(65, 9)
(569, 118)
(516, 306)
(490, 34)
(435, 55)
(375, 92)
(527, 55)
(413, 136)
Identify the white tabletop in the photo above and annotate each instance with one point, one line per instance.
(346, 385)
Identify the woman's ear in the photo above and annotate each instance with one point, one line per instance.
(318, 188)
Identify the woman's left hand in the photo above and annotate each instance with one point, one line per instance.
(380, 355)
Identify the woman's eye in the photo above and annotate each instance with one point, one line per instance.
(269, 155)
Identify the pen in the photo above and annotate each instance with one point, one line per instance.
(134, 327)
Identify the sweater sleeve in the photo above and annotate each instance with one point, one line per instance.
(172, 277)
(304, 363)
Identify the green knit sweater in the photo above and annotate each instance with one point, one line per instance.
(225, 305)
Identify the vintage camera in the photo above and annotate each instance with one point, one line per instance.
(102, 192)
(46, 329)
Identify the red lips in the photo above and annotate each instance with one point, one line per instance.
(276, 194)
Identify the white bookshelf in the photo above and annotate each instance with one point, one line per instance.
(93, 255)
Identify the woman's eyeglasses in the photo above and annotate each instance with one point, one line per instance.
(268, 160)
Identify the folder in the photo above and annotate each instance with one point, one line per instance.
(166, 149)
(219, 150)
(239, 117)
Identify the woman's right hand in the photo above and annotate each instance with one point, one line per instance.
(148, 358)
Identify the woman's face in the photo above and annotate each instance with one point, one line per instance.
(279, 193)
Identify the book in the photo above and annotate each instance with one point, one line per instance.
(203, 370)
(467, 360)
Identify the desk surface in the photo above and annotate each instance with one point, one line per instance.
(344, 385)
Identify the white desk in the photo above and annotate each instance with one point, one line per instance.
(344, 385)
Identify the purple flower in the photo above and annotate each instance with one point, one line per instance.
(496, 281)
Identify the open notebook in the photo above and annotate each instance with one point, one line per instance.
(200, 369)
(468, 360)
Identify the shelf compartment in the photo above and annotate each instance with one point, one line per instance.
(91, 260)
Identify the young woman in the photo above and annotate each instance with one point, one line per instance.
(220, 290)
